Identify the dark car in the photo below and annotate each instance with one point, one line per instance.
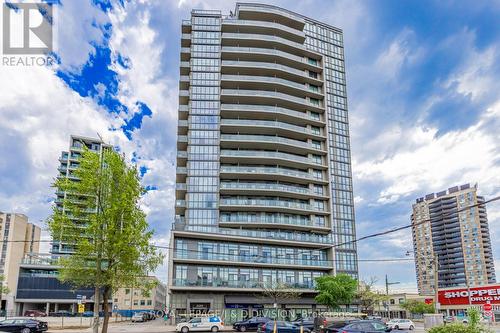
(251, 324)
(283, 327)
(364, 326)
(62, 313)
(23, 325)
(35, 313)
(306, 322)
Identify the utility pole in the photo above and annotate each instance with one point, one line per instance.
(436, 283)
(387, 284)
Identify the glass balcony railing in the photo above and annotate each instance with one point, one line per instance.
(264, 65)
(277, 26)
(265, 186)
(277, 221)
(271, 139)
(271, 203)
(267, 79)
(268, 170)
(179, 254)
(180, 203)
(271, 154)
(271, 94)
(254, 284)
(269, 123)
(267, 38)
(182, 154)
(266, 234)
(270, 109)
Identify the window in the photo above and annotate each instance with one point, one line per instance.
(136, 302)
(316, 144)
(115, 300)
(312, 61)
(313, 75)
(393, 301)
(127, 291)
(314, 101)
(315, 115)
(150, 302)
(143, 302)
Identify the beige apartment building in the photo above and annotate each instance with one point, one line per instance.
(447, 230)
(133, 299)
(18, 237)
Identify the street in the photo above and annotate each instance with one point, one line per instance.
(158, 326)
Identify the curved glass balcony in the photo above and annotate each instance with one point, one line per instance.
(299, 34)
(275, 40)
(270, 109)
(254, 284)
(257, 259)
(270, 139)
(270, 123)
(302, 88)
(267, 65)
(257, 154)
(271, 203)
(285, 235)
(280, 220)
(301, 102)
(269, 170)
(269, 187)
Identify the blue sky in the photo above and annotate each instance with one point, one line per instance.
(423, 90)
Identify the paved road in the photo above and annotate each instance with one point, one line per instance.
(158, 326)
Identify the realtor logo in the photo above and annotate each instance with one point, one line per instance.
(27, 28)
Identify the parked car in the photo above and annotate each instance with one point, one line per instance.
(282, 327)
(35, 313)
(139, 317)
(23, 326)
(306, 322)
(62, 313)
(336, 326)
(209, 324)
(251, 324)
(401, 324)
(365, 326)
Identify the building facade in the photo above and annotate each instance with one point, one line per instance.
(127, 300)
(393, 306)
(264, 185)
(69, 163)
(444, 229)
(18, 237)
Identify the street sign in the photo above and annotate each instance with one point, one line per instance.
(81, 308)
(79, 301)
(487, 307)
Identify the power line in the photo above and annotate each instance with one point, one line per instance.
(383, 233)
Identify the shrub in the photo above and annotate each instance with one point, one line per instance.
(460, 328)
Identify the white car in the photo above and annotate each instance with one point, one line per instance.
(138, 317)
(207, 324)
(401, 324)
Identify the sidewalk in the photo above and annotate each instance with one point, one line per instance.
(154, 326)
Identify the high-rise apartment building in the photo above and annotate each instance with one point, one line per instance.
(69, 163)
(264, 186)
(18, 238)
(458, 239)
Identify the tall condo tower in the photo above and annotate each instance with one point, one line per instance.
(444, 230)
(264, 185)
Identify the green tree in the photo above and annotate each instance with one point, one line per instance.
(279, 293)
(367, 297)
(417, 307)
(104, 224)
(3, 290)
(334, 291)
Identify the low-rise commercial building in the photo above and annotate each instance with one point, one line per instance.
(456, 301)
(17, 237)
(392, 307)
(127, 300)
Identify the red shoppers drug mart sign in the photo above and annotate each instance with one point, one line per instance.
(475, 295)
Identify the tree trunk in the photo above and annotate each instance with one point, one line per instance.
(105, 305)
(97, 294)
